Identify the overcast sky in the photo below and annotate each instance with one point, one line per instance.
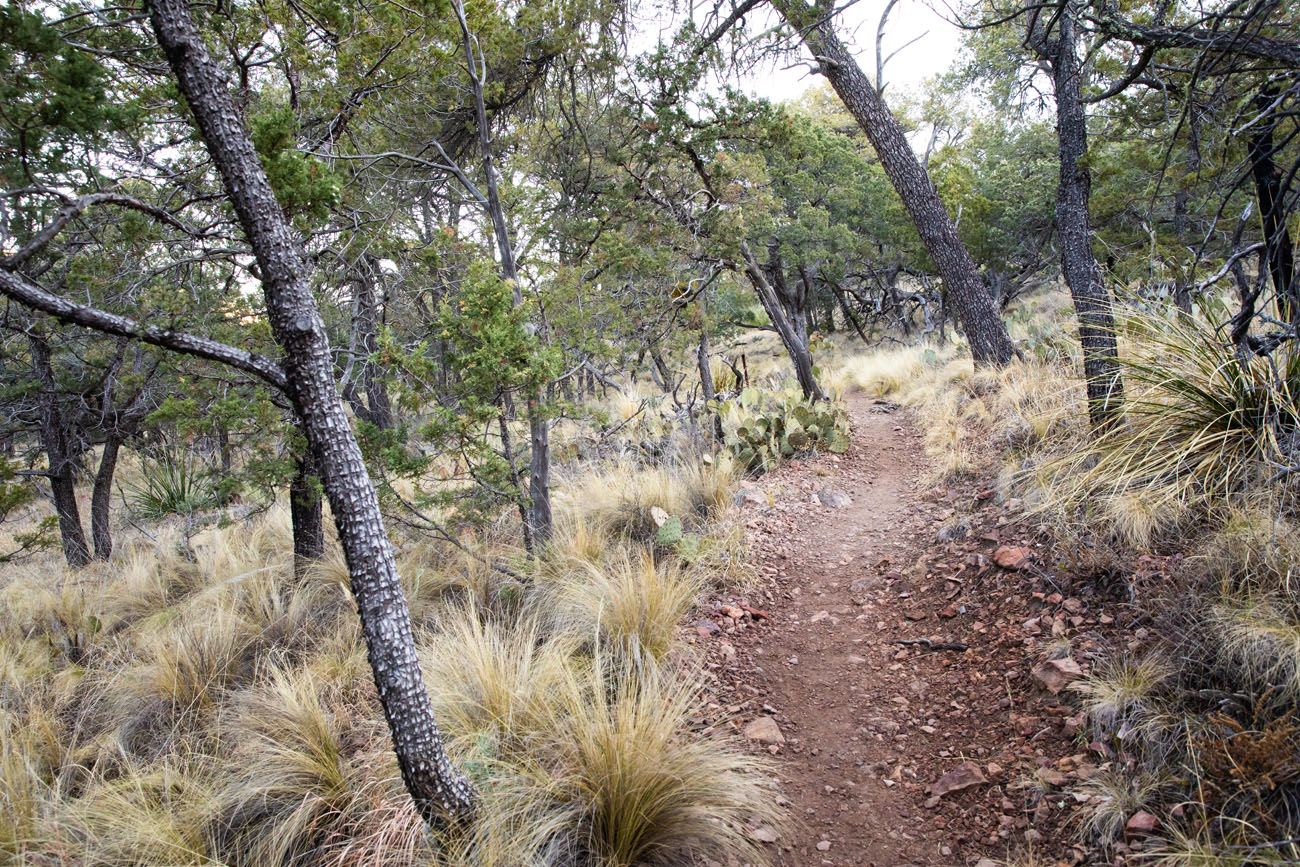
(935, 48)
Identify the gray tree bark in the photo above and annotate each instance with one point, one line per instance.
(306, 516)
(796, 345)
(1092, 302)
(438, 790)
(989, 341)
(60, 456)
(101, 499)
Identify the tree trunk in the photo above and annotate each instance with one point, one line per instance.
(437, 789)
(796, 348)
(1092, 303)
(53, 434)
(377, 408)
(539, 427)
(706, 373)
(539, 473)
(101, 500)
(989, 342)
(1272, 209)
(306, 515)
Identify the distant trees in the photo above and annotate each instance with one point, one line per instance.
(987, 334)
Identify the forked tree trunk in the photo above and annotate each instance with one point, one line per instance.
(101, 499)
(989, 342)
(1092, 303)
(53, 434)
(438, 790)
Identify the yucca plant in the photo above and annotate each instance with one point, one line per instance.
(170, 484)
(1202, 426)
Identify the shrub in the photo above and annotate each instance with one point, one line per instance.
(170, 484)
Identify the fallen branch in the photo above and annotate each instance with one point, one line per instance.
(927, 644)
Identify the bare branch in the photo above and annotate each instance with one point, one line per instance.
(17, 287)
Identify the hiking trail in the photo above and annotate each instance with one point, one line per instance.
(882, 642)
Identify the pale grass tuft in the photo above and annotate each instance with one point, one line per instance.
(615, 778)
(1141, 517)
(301, 782)
(630, 602)
(1123, 696)
(1261, 637)
(492, 679)
(1115, 794)
(883, 373)
(145, 816)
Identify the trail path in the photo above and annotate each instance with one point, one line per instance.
(851, 564)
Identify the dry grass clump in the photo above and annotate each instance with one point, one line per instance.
(612, 775)
(882, 373)
(632, 602)
(201, 704)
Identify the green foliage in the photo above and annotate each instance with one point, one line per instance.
(303, 185)
(763, 428)
(171, 484)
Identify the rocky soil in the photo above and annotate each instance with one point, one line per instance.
(906, 653)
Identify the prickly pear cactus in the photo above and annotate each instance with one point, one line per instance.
(762, 428)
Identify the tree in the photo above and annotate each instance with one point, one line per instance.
(989, 341)
(306, 375)
(1056, 42)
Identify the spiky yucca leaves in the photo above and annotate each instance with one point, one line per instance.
(630, 602)
(1201, 427)
(171, 484)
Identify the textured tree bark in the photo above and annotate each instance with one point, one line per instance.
(58, 454)
(706, 372)
(786, 329)
(101, 499)
(989, 342)
(1092, 302)
(377, 409)
(306, 516)
(438, 790)
(1279, 250)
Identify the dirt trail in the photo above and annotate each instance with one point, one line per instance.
(871, 725)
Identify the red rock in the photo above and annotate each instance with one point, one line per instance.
(764, 730)
(964, 776)
(1056, 674)
(1011, 557)
(1140, 823)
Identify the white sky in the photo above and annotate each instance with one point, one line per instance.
(934, 51)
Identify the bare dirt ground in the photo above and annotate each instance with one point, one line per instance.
(902, 677)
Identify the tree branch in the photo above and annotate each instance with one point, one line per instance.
(17, 287)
